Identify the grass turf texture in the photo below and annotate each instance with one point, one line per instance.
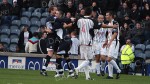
(8, 76)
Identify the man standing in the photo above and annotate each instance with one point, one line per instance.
(86, 25)
(112, 46)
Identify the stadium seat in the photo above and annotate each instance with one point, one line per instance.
(36, 14)
(46, 9)
(16, 23)
(139, 48)
(43, 21)
(45, 14)
(26, 14)
(23, 10)
(12, 47)
(31, 9)
(24, 18)
(38, 10)
(4, 36)
(34, 29)
(147, 52)
(15, 32)
(36, 23)
(23, 22)
(14, 27)
(4, 27)
(14, 41)
(13, 36)
(141, 56)
(34, 19)
(5, 31)
(5, 41)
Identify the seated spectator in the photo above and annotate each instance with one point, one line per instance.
(5, 8)
(127, 55)
(127, 20)
(124, 33)
(125, 10)
(86, 3)
(79, 8)
(26, 4)
(135, 14)
(31, 45)
(80, 14)
(146, 23)
(42, 45)
(25, 35)
(70, 8)
(6, 11)
(2, 48)
(145, 11)
(96, 8)
(137, 35)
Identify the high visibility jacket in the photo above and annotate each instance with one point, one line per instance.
(127, 55)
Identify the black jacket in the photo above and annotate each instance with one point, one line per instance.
(21, 39)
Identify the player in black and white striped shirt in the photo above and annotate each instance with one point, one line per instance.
(86, 25)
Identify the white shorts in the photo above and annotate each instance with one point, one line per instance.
(98, 48)
(86, 52)
(113, 50)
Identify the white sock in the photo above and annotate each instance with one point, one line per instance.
(98, 68)
(83, 64)
(102, 65)
(110, 69)
(115, 66)
(87, 72)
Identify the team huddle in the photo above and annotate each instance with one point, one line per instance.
(97, 39)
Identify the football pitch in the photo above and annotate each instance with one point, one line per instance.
(8, 76)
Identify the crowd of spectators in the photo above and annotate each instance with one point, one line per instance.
(132, 15)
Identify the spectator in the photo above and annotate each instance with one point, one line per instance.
(145, 11)
(70, 8)
(36, 4)
(79, 8)
(26, 4)
(86, 3)
(41, 30)
(6, 11)
(25, 35)
(127, 55)
(125, 10)
(42, 44)
(31, 45)
(135, 14)
(15, 10)
(2, 48)
(55, 3)
(137, 35)
(127, 20)
(81, 14)
(5, 8)
(146, 23)
(124, 33)
(96, 8)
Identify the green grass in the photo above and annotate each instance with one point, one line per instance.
(33, 77)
